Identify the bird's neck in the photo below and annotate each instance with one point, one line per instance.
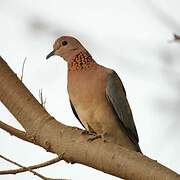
(82, 61)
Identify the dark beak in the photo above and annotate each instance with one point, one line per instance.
(50, 54)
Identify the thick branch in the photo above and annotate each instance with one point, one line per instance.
(37, 166)
(58, 138)
(16, 132)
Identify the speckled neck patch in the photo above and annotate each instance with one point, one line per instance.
(81, 61)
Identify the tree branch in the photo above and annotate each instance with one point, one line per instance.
(37, 166)
(28, 169)
(58, 138)
(16, 132)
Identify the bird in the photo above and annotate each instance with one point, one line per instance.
(97, 96)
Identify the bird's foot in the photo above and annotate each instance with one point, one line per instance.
(85, 132)
(95, 136)
(88, 132)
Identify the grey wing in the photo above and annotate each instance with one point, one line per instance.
(75, 113)
(116, 94)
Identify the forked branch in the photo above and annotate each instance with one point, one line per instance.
(37, 166)
(16, 132)
(28, 169)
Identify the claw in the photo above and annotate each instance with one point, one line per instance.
(95, 137)
(88, 132)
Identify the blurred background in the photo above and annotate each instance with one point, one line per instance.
(132, 37)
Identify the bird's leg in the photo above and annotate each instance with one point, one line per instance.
(97, 136)
(84, 131)
(88, 131)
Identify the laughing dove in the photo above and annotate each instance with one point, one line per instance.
(97, 95)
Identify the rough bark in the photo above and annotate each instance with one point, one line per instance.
(57, 138)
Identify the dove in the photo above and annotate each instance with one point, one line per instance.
(97, 96)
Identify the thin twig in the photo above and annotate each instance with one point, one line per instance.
(28, 169)
(16, 132)
(42, 99)
(22, 72)
(44, 164)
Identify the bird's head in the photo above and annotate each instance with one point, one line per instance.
(66, 47)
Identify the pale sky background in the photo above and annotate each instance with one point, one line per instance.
(129, 36)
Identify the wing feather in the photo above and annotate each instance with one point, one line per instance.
(116, 94)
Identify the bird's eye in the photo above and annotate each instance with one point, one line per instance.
(64, 43)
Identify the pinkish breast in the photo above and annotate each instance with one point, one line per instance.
(86, 90)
